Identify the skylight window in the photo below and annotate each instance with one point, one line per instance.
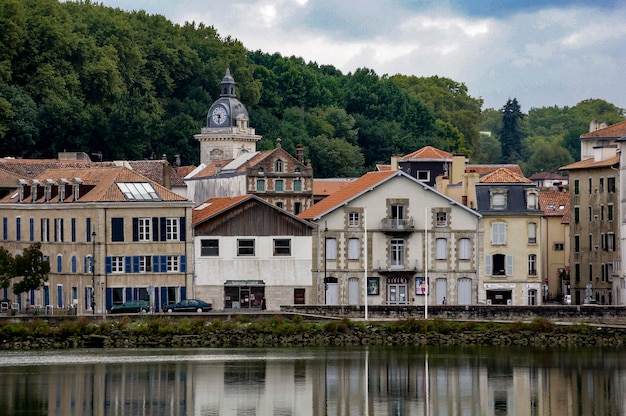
(138, 191)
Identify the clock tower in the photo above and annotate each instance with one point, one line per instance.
(226, 134)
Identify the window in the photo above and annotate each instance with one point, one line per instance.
(260, 185)
(577, 244)
(138, 191)
(58, 230)
(88, 265)
(576, 187)
(610, 242)
(610, 185)
(354, 248)
(576, 214)
(498, 200)
(31, 231)
(532, 264)
(145, 264)
(245, 247)
(74, 264)
(590, 242)
(609, 212)
(601, 212)
(442, 219)
(423, 175)
(88, 229)
(590, 185)
(354, 219)
(464, 249)
(117, 230)
(172, 264)
(117, 264)
(601, 185)
(498, 233)
(331, 249)
(145, 229)
(441, 248)
(73, 229)
(299, 296)
(279, 166)
(590, 211)
(559, 246)
(397, 212)
(297, 185)
(280, 205)
(499, 265)
(577, 272)
(532, 233)
(297, 208)
(278, 185)
(45, 230)
(532, 297)
(18, 228)
(261, 171)
(282, 247)
(209, 247)
(172, 229)
(5, 228)
(397, 253)
(590, 272)
(59, 263)
(531, 200)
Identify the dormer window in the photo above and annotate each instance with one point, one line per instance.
(33, 189)
(279, 166)
(21, 187)
(62, 183)
(261, 171)
(498, 198)
(47, 189)
(532, 199)
(297, 169)
(76, 182)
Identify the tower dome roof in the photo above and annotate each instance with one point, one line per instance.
(227, 109)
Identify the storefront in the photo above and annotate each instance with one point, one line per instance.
(244, 294)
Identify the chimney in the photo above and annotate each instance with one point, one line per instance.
(167, 175)
(394, 161)
(300, 153)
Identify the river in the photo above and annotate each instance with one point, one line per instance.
(313, 381)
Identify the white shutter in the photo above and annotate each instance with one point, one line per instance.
(509, 265)
(353, 249)
(331, 249)
(442, 249)
(488, 265)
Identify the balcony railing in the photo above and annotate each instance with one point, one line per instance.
(397, 224)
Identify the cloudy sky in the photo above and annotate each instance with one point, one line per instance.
(543, 52)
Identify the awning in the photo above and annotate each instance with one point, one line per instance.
(244, 283)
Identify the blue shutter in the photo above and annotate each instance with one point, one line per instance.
(164, 295)
(5, 228)
(73, 223)
(18, 228)
(62, 236)
(74, 265)
(109, 297)
(128, 264)
(156, 299)
(163, 228)
(183, 229)
(87, 300)
(32, 296)
(88, 229)
(129, 294)
(85, 265)
(60, 296)
(183, 293)
(135, 229)
(59, 263)
(135, 293)
(155, 229)
(32, 229)
(155, 264)
(183, 264)
(164, 264)
(108, 264)
(135, 264)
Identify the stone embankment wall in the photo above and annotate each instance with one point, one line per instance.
(605, 315)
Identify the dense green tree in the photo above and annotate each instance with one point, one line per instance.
(511, 133)
(546, 154)
(31, 267)
(7, 268)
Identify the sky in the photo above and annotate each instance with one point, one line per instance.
(542, 52)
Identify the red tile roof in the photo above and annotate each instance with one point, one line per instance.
(554, 203)
(428, 152)
(591, 164)
(214, 206)
(504, 175)
(347, 193)
(325, 187)
(483, 169)
(611, 132)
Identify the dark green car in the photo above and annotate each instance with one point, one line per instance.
(132, 306)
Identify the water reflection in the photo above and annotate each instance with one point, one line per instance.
(376, 381)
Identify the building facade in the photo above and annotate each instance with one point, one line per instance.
(110, 235)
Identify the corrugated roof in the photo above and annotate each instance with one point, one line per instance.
(504, 175)
(611, 132)
(591, 164)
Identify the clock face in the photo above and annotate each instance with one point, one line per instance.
(219, 115)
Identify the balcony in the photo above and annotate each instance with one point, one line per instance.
(397, 225)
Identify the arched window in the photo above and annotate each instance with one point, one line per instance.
(73, 264)
(59, 263)
(279, 166)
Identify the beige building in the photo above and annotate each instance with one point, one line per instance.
(554, 243)
(393, 240)
(136, 233)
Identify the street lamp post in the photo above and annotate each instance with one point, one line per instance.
(93, 273)
(325, 257)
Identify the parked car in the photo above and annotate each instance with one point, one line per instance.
(189, 305)
(131, 306)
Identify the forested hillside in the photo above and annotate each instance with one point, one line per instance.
(84, 77)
